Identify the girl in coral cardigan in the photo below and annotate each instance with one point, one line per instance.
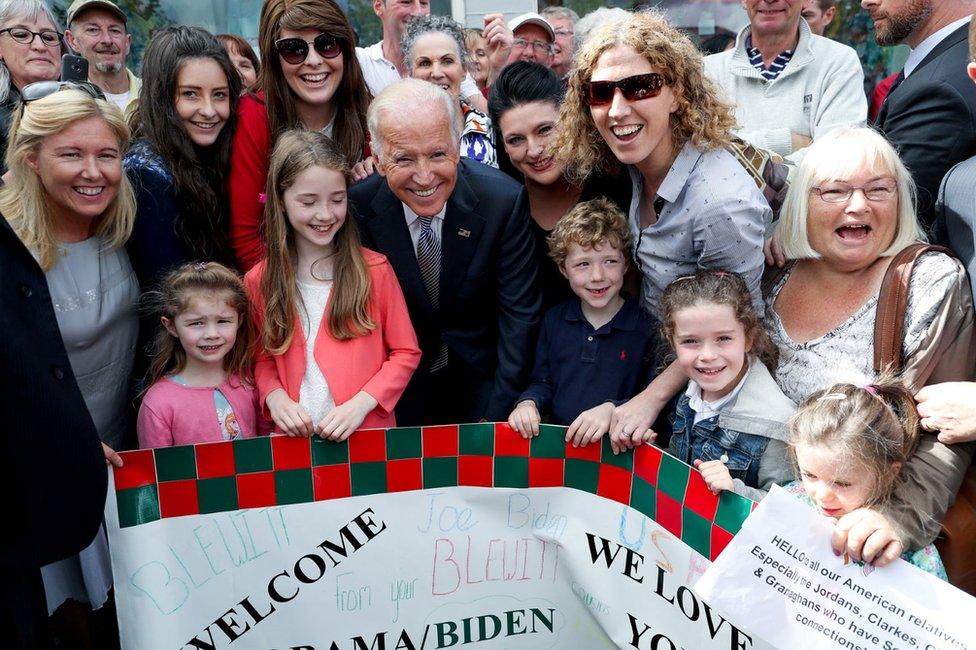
(335, 344)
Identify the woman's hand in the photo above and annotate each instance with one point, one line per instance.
(867, 535)
(345, 418)
(364, 168)
(590, 425)
(632, 422)
(773, 251)
(716, 475)
(290, 418)
(111, 456)
(950, 409)
(525, 419)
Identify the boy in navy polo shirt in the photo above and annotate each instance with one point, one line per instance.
(595, 350)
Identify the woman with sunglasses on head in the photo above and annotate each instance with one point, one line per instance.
(524, 106)
(638, 97)
(31, 45)
(72, 207)
(433, 50)
(310, 79)
(178, 164)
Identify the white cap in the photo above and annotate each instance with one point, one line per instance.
(532, 18)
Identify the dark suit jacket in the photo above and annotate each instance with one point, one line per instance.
(930, 118)
(51, 464)
(489, 301)
(955, 216)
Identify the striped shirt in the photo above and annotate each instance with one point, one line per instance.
(775, 68)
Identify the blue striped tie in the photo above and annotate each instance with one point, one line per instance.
(429, 261)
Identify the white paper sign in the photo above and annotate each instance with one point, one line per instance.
(780, 578)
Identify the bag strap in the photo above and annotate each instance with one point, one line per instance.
(889, 320)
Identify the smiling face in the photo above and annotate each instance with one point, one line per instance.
(596, 275)
(527, 131)
(851, 236)
(712, 347)
(100, 36)
(638, 132)
(562, 55)
(202, 100)
(532, 43)
(207, 329)
(314, 81)
(243, 66)
(394, 14)
(436, 59)
(80, 169)
(895, 21)
(478, 62)
(835, 488)
(420, 159)
(316, 208)
(773, 17)
(30, 62)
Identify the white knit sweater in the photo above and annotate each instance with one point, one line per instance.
(821, 87)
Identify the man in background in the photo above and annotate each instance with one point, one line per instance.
(97, 31)
(563, 23)
(819, 14)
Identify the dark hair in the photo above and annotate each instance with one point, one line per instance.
(199, 175)
(351, 97)
(520, 83)
(243, 48)
(716, 43)
(173, 298)
(721, 288)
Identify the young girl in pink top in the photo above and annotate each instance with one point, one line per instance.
(336, 347)
(199, 387)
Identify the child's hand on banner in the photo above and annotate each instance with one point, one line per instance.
(525, 419)
(716, 475)
(867, 536)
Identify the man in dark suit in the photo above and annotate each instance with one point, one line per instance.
(52, 468)
(955, 211)
(457, 235)
(930, 113)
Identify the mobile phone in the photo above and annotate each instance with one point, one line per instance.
(74, 68)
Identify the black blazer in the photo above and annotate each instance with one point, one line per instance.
(930, 118)
(489, 300)
(51, 464)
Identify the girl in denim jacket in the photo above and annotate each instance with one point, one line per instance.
(730, 423)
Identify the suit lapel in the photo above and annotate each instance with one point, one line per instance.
(460, 237)
(388, 229)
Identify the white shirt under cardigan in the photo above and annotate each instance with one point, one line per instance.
(314, 394)
(821, 87)
(712, 216)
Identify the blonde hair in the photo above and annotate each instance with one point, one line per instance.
(348, 317)
(24, 201)
(838, 155)
(590, 224)
(707, 286)
(701, 116)
(875, 428)
(173, 298)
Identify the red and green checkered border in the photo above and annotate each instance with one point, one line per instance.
(278, 470)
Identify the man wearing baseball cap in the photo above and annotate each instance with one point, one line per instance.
(97, 31)
(534, 39)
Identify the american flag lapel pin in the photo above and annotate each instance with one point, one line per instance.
(464, 232)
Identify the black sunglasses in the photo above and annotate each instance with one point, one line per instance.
(295, 50)
(41, 89)
(641, 86)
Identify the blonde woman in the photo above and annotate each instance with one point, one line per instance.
(72, 207)
(638, 97)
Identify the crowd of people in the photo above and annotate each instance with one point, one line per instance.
(581, 221)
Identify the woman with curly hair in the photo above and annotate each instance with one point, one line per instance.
(638, 97)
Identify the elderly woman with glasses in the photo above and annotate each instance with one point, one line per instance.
(31, 45)
(310, 78)
(433, 50)
(638, 98)
(850, 209)
(71, 206)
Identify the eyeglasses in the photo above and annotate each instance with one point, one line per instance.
(562, 32)
(295, 50)
(641, 86)
(49, 37)
(541, 47)
(840, 192)
(41, 89)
